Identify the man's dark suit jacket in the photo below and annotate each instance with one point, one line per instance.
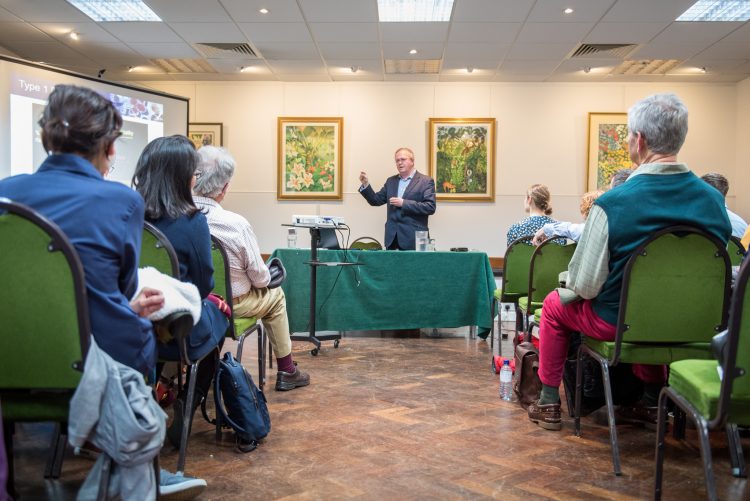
(402, 222)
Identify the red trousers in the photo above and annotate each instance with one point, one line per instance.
(559, 321)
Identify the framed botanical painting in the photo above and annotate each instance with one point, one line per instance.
(608, 148)
(202, 134)
(310, 158)
(462, 159)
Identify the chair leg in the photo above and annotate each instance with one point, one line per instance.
(611, 417)
(8, 432)
(661, 431)
(492, 325)
(157, 476)
(708, 471)
(579, 391)
(240, 345)
(187, 420)
(103, 493)
(739, 469)
(57, 450)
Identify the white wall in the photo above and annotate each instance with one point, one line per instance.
(541, 138)
(741, 181)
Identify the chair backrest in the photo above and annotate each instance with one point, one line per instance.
(516, 264)
(366, 243)
(157, 252)
(548, 261)
(736, 250)
(675, 288)
(45, 320)
(222, 281)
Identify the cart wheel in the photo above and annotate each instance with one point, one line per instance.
(336, 344)
(314, 352)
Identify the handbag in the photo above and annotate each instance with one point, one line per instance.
(526, 383)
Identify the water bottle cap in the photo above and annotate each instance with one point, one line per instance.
(506, 362)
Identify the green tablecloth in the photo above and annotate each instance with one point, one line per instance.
(391, 290)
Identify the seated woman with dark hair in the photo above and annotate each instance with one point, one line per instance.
(164, 176)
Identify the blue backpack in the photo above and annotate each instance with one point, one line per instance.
(244, 406)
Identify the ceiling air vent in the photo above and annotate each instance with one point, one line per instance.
(412, 66)
(184, 65)
(619, 50)
(645, 67)
(210, 49)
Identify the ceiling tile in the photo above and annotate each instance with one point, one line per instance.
(165, 50)
(476, 51)
(288, 51)
(645, 11)
(44, 10)
(529, 67)
(247, 11)
(209, 32)
(723, 50)
(461, 64)
(336, 11)
(141, 32)
(106, 52)
(345, 32)
(89, 32)
(493, 11)
(634, 33)
(282, 66)
(667, 51)
(6, 16)
(484, 32)
(695, 32)
(184, 11)
(369, 66)
(401, 50)
(276, 32)
(539, 51)
(22, 32)
(409, 32)
(715, 65)
(741, 34)
(349, 50)
(583, 10)
(553, 32)
(49, 52)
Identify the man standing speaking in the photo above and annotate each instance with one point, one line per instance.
(410, 196)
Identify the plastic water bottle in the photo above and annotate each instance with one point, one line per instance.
(506, 378)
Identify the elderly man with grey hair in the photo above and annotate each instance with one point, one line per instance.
(248, 271)
(718, 181)
(661, 192)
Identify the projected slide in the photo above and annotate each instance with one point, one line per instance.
(143, 121)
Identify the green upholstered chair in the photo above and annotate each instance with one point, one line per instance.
(547, 262)
(516, 263)
(736, 250)
(239, 327)
(675, 296)
(366, 243)
(157, 252)
(45, 326)
(712, 402)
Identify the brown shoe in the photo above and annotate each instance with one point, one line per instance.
(638, 414)
(286, 381)
(547, 416)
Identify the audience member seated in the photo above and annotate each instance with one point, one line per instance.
(537, 204)
(567, 229)
(104, 221)
(739, 226)
(619, 177)
(164, 176)
(249, 274)
(661, 192)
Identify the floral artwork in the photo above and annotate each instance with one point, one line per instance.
(608, 148)
(202, 134)
(310, 158)
(462, 158)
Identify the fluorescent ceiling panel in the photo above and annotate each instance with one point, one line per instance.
(115, 10)
(717, 10)
(414, 11)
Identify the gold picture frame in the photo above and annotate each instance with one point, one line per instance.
(462, 159)
(607, 148)
(206, 133)
(310, 158)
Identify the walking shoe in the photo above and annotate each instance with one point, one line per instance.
(290, 380)
(178, 487)
(638, 414)
(547, 416)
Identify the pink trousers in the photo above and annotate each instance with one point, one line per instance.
(559, 321)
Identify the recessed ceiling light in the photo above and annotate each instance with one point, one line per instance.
(414, 11)
(115, 10)
(247, 69)
(469, 70)
(355, 69)
(73, 35)
(586, 69)
(568, 10)
(263, 11)
(131, 69)
(717, 10)
(413, 51)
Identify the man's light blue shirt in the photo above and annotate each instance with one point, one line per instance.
(402, 184)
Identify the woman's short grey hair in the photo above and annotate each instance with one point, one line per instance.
(215, 170)
(662, 119)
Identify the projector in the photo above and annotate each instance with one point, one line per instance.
(317, 221)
